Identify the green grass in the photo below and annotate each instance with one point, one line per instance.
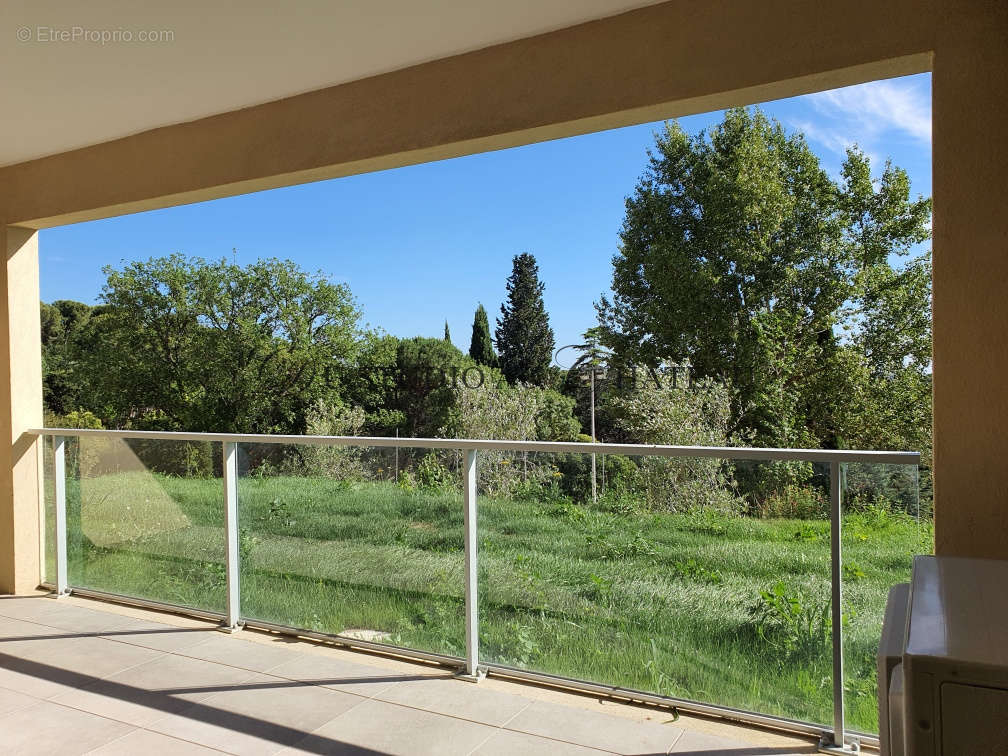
(659, 602)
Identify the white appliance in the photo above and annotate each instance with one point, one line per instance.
(943, 660)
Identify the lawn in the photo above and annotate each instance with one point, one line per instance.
(654, 601)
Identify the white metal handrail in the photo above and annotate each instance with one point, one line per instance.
(834, 740)
(757, 454)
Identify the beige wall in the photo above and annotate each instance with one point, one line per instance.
(970, 174)
(20, 410)
(671, 59)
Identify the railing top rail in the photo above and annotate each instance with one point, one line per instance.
(554, 447)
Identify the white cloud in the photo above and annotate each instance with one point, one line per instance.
(868, 113)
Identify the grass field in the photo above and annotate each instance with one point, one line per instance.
(660, 602)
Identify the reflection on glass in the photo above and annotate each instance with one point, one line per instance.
(146, 519)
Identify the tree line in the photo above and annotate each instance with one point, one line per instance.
(797, 303)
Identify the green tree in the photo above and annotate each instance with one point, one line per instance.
(211, 346)
(741, 256)
(447, 333)
(426, 371)
(61, 323)
(524, 338)
(481, 347)
(371, 382)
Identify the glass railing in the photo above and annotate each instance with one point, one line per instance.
(332, 540)
(664, 582)
(886, 522)
(144, 519)
(701, 577)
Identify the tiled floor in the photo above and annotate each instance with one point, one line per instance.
(80, 676)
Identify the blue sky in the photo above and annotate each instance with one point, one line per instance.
(422, 244)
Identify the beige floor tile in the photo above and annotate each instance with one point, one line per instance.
(714, 745)
(260, 716)
(25, 677)
(36, 608)
(12, 629)
(163, 637)
(12, 700)
(154, 743)
(139, 696)
(384, 728)
(77, 661)
(46, 729)
(149, 692)
(182, 677)
(235, 651)
(76, 619)
(508, 743)
(595, 730)
(456, 698)
(359, 679)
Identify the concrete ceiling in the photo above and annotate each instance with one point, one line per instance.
(63, 87)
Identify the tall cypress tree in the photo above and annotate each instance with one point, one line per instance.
(447, 333)
(481, 347)
(524, 337)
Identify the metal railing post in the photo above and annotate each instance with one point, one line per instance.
(472, 669)
(836, 517)
(231, 527)
(59, 480)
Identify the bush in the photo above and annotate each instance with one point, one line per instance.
(795, 627)
(769, 485)
(892, 486)
(495, 410)
(80, 458)
(183, 459)
(431, 475)
(615, 475)
(666, 412)
(340, 462)
(795, 502)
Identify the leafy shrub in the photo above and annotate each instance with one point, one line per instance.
(666, 412)
(619, 501)
(183, 459)
(406, 482)
(613, 473)
(806, 532)
(852, 571)
(76, 419)
(795, 627)
(598, 589)
(898, 487)
(764, 484)
(874, 519)
(615, 546)
(795, 502)
(431, 475)
(80, 459)
(97, 456)
(341, 462)
(708, 522)
(693, 570)
(495, 410)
